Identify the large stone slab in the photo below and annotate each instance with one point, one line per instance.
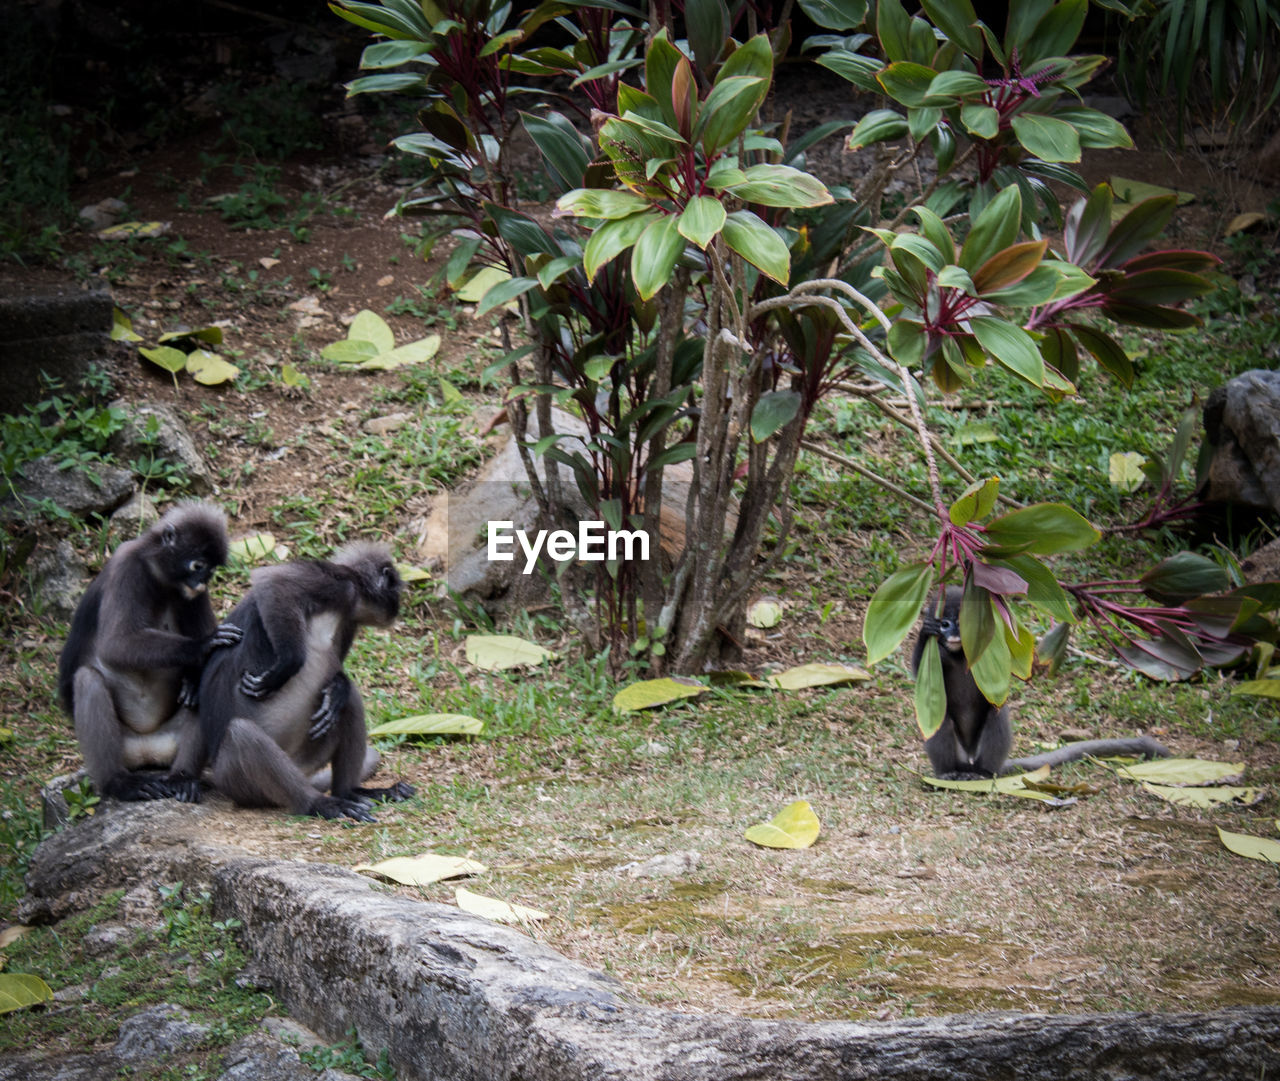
(55, 329)
(451, 996)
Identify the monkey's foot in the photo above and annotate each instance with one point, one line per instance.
(965, 775)
(138, 787)
(396, 793)
(337, 807)
(184, 789)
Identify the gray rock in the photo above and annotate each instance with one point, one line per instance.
(168, 437)
(449, 995)
(79, 490)
(261, 1056)
(57, 330)
(134, 517)
(60, 577)
(103, 938)
(102, 1066)
(102, 215)
(1242, 423)
(666, 865)
(158, 1031)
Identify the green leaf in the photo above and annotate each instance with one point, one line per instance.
(957, 19)
(653, 259)
(930, 696)
(1042, 529)
(1262, 688)
(607, 203)
(859, 70)
(1010, 266)
(1012, 346)
(701, 220)
(431, 724)
(981, 120)
(347, 351)
(1182, 577)
(122, 327)
(727, 111)
(208, 335)
(391, 54)
(835, 14)
(706, 23)
(498, 652)
(1095, 130)
(991, 671)
(773, 411)
(368, 326)
(976, 502)
(415, 352)
(907, 83)
(611, 239)
(1254, 848)
(166, 357)
(209, 368)
(1106, 351)
(504, 292)
(758, 244)
(385, 84)
(560, 145)
(780, 185)
(894, 609)
(648, 693)
(878, 126)
(1043, 590)
(496, 911)
(893, 29)
(948, 87)
(795, 826)
(804, 676)
(994, 229)
(18, 991)
(1048, 139)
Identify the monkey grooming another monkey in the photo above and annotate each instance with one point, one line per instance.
(278, 708)
(138, 640)
(975, 738)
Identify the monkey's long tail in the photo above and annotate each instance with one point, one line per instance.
(1095, 748)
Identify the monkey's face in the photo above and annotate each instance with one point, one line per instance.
(946, 630)
(186, 559)
(380, 598)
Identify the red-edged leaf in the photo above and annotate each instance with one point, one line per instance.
(1161, 286)
(1010, 266)
(1172, 259)
(1137, 229)
(1000, 580)
(1087, 225)
(1150, 315)
(1106, 351)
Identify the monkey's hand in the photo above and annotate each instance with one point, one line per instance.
(189, 693)
(324, 716)
(227, 634)
(259, 684)
(333, 701)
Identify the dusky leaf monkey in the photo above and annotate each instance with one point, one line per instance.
(975, 737)
(277, 709)
(138, 641)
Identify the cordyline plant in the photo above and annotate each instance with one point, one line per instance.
(697, 292)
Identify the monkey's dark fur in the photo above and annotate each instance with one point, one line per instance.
(278, 707)
(138, 640)
(975, 737)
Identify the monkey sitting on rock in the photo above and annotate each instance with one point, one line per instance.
(279, 718)
(975, 738)
(138, 640)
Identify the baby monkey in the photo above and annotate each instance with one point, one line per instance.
(975, 737)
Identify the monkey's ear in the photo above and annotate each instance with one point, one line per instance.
(169, 536)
